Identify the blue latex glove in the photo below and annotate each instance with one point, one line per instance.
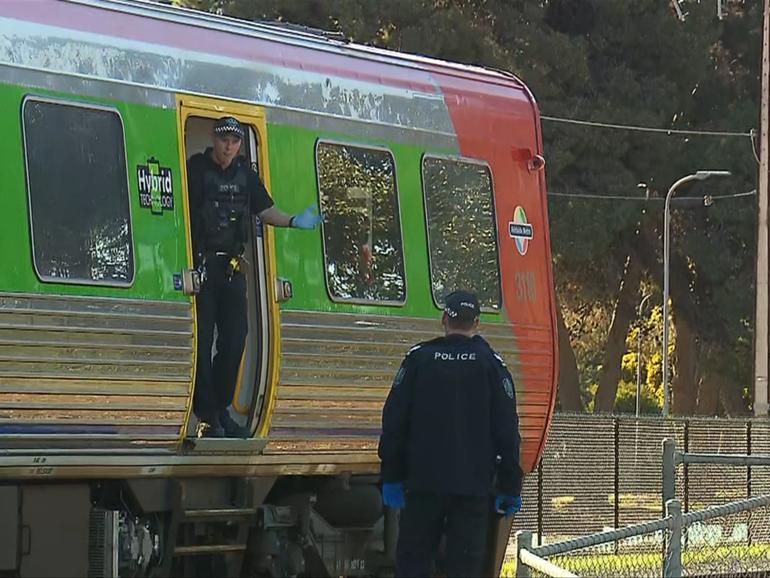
(393, 495)
(507, 505)
(307, 219)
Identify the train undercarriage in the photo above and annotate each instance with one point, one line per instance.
(194, 527)
(256, 527)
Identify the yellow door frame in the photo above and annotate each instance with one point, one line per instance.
(206, 107)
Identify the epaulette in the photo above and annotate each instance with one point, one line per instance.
(480, 339)
(413, 349)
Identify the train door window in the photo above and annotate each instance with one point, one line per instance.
(363, 247)
(462, 237)
(78, 193)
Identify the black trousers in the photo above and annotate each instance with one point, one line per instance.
(427, 517)
(221, 303)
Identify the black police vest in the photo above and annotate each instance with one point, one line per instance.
(225, 211)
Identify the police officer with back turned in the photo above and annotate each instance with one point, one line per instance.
(225, 191)
(449, 430)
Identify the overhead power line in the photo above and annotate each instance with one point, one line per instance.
(637, 128)
(644, 199)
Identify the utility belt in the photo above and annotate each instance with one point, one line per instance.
(207, 260)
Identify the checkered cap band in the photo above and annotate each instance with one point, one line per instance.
(462, 305)
(229, 125)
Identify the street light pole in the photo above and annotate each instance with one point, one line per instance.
(697, 176)
(761, 329)
(639, 356)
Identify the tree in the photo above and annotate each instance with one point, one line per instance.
(627, 63)
(656, 79)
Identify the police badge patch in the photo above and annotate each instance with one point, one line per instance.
(508, 385)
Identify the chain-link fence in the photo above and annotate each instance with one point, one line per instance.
(700, 476)
(736, 544)
(726, 540)
(635, 556)
(603, 472)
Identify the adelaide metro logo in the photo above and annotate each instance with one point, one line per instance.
(520, 230)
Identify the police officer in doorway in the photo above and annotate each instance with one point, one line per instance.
(449, 430)
(225, 191)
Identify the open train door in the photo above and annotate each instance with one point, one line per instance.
(259, 366)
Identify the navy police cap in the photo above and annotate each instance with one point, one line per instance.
(462, 306)
(229, 125)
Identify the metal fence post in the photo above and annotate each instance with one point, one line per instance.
(617, 473)
(686, 468)
(616, 500)
(686, 474)
(748, 481)
(669, 471)
(540, 502)
(523, 542)
(748, 453)
(672, 563)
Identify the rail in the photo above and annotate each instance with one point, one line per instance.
(536, 558)
(674, 525)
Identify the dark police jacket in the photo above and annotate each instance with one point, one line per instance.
(221, 202)
(450, 413)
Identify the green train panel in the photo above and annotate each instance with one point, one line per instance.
(429, 175)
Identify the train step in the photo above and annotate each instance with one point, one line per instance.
(219, 514)
(227, 531)
(207, 549)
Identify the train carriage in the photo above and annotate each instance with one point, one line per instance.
(430, 176)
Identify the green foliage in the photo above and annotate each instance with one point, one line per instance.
(365, 258)
(620, 62)
(651, 397)
(460, 216)
(671, 74)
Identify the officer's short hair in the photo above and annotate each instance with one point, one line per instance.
(228, 125)
(462, 309)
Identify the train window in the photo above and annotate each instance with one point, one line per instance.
(462, 237)
(363, 248)
(78, 193)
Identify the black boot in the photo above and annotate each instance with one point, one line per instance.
(231, 427)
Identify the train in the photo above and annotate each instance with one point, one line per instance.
(430, 176)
